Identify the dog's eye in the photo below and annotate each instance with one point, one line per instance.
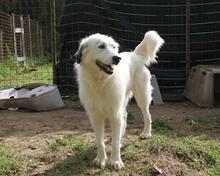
(113, 46)
(102, 46)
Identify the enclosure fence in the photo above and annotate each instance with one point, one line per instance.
(26, 42)
(20, 36)
(190, 28)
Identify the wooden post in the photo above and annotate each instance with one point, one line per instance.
(53, 38)
(23, 54)
(14, 36)
(1, 46)
(37, 35)
(29, 35)
(41, 42)
(187, 37)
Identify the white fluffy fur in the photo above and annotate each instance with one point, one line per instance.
(106, 96)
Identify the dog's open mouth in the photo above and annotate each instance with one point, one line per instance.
(104, 67)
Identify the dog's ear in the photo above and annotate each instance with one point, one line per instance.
(78, 55)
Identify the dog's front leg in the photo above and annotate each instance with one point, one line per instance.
(98, 126)
(116, 123)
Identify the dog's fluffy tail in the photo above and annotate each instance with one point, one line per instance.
(149, 47)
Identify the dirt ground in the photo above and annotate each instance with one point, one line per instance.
(29, 133)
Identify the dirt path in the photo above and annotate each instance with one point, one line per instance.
(21, 127)
(29, 133)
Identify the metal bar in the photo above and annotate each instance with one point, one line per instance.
(37, 35)
(29, 35)
(14, 35)
(41, 42)
(187, 37)
(1, 46)
(53, 38)
(22, 36)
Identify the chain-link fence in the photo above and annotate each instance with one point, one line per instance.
(26, 41)
(34, 33)
(190, 29)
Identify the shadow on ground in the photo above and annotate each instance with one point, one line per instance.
(78, 164)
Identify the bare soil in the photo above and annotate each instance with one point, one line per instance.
(29, 133)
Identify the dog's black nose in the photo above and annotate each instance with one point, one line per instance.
(116, 60)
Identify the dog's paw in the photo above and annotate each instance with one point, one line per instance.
(145, 135)
(99, 162)
(117, 164)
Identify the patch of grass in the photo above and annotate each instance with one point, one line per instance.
(161, 124)
(131, 153)
(8, 164)
(197, 153)
(39, 60)
(10, 67)
(68, 144)
(158, 142)
(141, 157)
(79, 163)
(130, 115)
(43, 74)
(205, 122)
(13, 73)
(214, 170)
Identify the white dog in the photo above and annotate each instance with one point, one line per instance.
(107, 80)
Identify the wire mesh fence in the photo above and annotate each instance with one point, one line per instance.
(25, 42)
(190, 28)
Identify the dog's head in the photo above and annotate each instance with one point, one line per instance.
(100, 51)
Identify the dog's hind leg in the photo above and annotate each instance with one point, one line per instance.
(98, 126)
(142, 93)
(128, 97)
(147, 123)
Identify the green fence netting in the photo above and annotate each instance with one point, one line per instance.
(127, 21)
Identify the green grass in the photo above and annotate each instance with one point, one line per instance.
(7, 162)
(197, 153)
(205, 122)
(68, 143)
(161, 125)
(73, 156)
(13, 73)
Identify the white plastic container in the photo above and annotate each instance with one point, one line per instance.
(36, 96)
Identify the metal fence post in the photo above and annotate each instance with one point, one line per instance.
(22, 37)
(38, 40)
(29, 35)
(14, 35)
(41, 42)
(1, 45)
(187, 37)
(53, 38)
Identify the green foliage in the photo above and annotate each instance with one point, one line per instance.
(39, 60)
(204, 122)
(131, 152)
(67, 143)
(10, 67)
(158, 143)
(13, 73)
(130, 115)
(7, 163)
(197, 153)
(161, 124)
(214, 171)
